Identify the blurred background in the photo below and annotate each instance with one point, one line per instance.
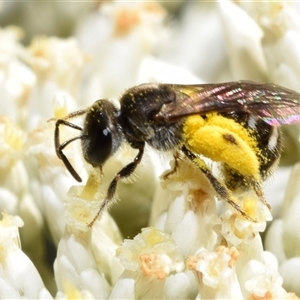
(84, 51)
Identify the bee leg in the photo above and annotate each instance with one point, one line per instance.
(236, 181)
(59, 122)
(61, 155)
(220, 188)
(59, 147)
(123, 173)
(260, 194)
(174, 169)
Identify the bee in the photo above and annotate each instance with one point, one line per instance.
(234, 123)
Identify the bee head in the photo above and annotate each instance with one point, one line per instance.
(101, 134)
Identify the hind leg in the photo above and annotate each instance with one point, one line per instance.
(221, 189)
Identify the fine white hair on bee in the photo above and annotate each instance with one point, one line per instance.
(273, 139)
(252, 122)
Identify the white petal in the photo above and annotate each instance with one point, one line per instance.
(244, 42)
(290, 271)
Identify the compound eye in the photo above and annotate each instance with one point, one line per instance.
(100, 144)
(100, 134)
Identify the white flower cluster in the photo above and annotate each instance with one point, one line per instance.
(190, 246)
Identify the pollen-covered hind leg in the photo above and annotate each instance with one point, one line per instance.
(219, 187)
(237, 182)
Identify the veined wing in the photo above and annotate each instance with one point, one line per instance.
(274, 104)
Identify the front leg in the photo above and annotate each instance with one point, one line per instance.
(123, 173)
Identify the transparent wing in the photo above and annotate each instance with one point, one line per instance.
(274, 104)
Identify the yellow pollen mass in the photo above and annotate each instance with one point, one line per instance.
(222, 140)
(71, 291)
(60, 112)
(250, 206)
(155, 236)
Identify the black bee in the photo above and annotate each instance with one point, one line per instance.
(234, 123)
